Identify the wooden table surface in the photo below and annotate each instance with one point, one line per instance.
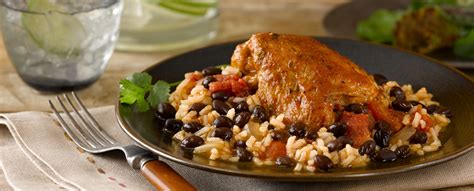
(238, 19)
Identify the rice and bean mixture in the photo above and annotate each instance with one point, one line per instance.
(214, 113)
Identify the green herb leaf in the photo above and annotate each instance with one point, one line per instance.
(135, 89)
(174, 84)
(131, 93)
(142, 105)
(464, 46)
(159, 93)
(379, 26)
(142, 79)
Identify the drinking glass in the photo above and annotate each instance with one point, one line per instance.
(163, 25)
(58, 45)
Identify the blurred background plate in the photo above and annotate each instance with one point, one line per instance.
(450, 87)
(342, 22)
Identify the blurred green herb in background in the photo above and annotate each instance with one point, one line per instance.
(465, 46)
(457, 14)
(379, 26)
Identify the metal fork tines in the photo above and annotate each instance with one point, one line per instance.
(86, 132)
(83, 128)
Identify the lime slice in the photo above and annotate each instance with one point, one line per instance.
(194, 7)
(55, 32)
(197, 3)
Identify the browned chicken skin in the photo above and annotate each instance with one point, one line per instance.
(302, 78)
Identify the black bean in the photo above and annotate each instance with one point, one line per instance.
(224, 133)
(211, 71)
(172, 126)
(220, 106)
(160, 120)
(297, 129)
(356, 108)
(240, 143)
(242, 107)
(242, 118)
(270, 127)
(243, 154)
(208, 80)
(397, 92)
(224, 96)
(384, 155)
(312, 135)
(419, 137)
(382, 137)
(259, 114)
(197, 107)
(192, 127)
(382, 125)
(285, 161)
(223, 121)
(253, 90)
(339, 143)
(280, 135)
(166, 110)
(401, 105)
(324, 163)
(403, 151)
(444, 111)
(380, 79)
(338, 129)
(367, 148)
(345, 140)
(192, 141)
(334, 145)
(415, 103)
(432, 109)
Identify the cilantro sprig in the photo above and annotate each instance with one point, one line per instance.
(139, 90)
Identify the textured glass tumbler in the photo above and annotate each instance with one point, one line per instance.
(58, 45)
(166, 25)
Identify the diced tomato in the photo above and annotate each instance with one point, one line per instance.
(274, 150)
(232, 84)
(429, 122)
(196, 76)
(357, 127)
(390, 116)
(221, 77)
(220, 87)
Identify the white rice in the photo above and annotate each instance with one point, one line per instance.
(258, 136)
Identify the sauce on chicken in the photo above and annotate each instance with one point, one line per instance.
(302, 78)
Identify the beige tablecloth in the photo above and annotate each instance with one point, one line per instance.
(36, 155)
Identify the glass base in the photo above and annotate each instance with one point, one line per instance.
(53, 85)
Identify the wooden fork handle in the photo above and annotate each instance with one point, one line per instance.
(163, 177)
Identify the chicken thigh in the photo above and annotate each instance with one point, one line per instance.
(302, 78)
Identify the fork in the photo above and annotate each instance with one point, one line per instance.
(88, 135)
